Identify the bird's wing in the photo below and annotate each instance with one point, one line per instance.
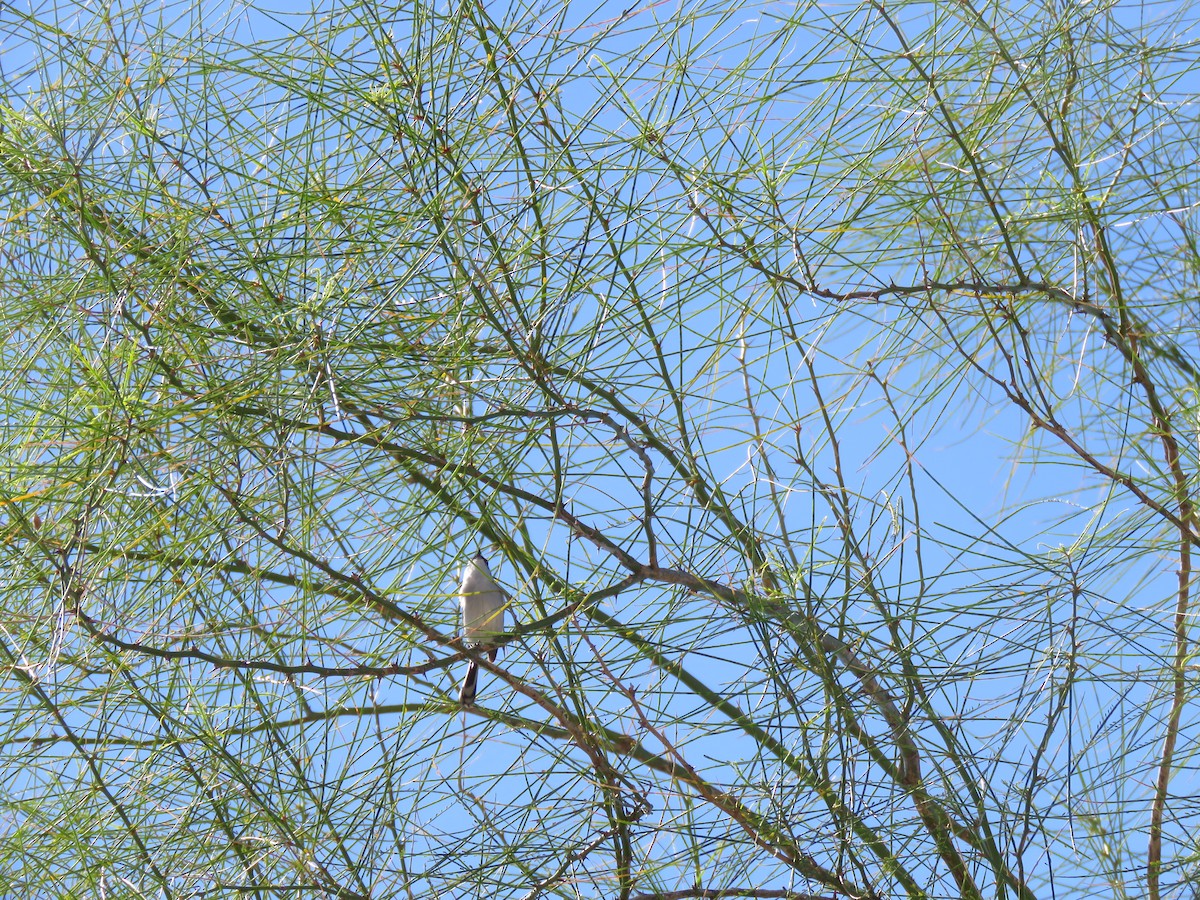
(483, 604)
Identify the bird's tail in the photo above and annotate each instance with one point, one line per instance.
(466, 696)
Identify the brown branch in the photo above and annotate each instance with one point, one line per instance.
(724, 800)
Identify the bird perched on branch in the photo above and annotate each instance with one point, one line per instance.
(483, 604)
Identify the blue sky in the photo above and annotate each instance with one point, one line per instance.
(771, 129)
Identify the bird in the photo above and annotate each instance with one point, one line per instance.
(483, 604)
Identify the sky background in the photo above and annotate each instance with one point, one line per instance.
(283, 123)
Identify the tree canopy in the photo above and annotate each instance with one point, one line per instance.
(820, 380)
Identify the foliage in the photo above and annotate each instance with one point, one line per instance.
(717, 327)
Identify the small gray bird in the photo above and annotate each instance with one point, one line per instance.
(483, 617)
